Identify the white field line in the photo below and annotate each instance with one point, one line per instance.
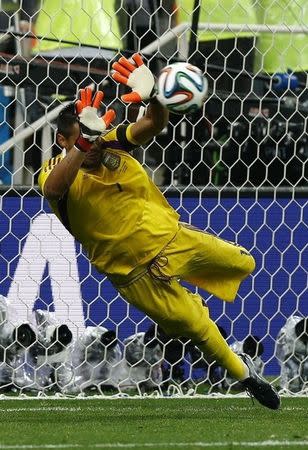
(127, 408)
(155, 445)
(215, 396)
(127, 397)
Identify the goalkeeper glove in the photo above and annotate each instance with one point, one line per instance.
(137, 76)
(91, 125)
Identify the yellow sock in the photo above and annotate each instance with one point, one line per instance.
(216, 348)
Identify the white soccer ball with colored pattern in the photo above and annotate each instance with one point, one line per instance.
(181, 88)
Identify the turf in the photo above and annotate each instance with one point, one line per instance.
(192, 424)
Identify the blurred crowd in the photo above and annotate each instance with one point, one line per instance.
(237, 140)
(44, 356)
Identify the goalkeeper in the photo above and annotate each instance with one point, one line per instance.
(106, 200)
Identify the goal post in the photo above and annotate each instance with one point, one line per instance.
(237, 169)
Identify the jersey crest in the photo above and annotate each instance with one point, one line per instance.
(111, 161)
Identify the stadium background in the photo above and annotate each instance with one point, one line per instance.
(269, 229)
(240, 172)
(246, 168)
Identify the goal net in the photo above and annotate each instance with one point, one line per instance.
(237, 169)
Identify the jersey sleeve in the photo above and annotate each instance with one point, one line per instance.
(119, 138)
(46, 170)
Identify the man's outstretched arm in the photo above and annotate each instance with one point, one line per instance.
(63, 175)
(151, 124)
(83, 133)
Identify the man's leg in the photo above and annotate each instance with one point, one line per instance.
(216, 349)
(181, 313)
(206, 261)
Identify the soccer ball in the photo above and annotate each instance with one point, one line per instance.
(182, 88)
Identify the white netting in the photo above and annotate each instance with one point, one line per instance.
(237, 169)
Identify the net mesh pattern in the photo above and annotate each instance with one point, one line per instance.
(237, 168)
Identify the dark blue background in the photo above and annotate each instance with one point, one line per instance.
(273, 230)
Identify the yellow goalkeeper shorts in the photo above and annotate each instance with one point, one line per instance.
(206, 261)
(199, 258)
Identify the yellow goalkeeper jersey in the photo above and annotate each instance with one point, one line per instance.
(117, 213)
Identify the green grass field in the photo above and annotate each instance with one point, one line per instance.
(140, 424)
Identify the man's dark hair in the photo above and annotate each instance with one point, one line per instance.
(301, 329)
(66, 119)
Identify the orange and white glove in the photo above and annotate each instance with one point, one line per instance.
(137, 76)
(91, 125)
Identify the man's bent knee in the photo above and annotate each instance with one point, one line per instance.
(251, 264)
(246, 263)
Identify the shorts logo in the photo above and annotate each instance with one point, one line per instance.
(111, 161)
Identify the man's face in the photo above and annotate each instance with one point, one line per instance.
(93, 157)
